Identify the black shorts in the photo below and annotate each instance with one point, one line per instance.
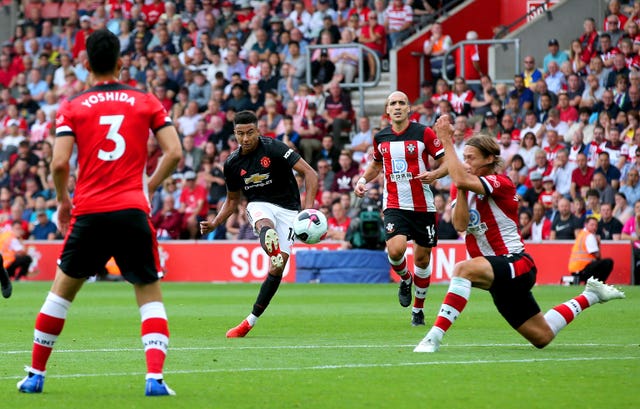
(514, 276)
(126, 235)
(417, 226)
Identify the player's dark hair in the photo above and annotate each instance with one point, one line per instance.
(103, 50)
(244, 118)
(487, 146)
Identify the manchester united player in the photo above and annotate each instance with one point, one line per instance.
(487, 209)
(401, 150)
(261, 170)
(109, 215)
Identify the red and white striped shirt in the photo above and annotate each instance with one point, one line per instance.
(493, 219)
(398, 16)
(404, 155)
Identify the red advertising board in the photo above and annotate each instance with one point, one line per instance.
(245, 261)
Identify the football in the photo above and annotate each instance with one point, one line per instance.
(310, 226)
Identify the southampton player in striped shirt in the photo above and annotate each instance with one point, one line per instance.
(401, 151)
(109, 216)
(487, 209)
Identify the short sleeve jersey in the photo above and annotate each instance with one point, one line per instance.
(405, 155)
(265, 175)
(110, 123)
(493, 219)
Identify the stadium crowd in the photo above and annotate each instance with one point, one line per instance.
(568, 126)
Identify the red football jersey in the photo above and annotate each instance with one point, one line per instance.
(110, 123)
(405, 155)
(493, 219)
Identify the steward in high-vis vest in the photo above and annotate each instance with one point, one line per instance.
(585, 260)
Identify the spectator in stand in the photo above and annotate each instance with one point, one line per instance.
(611, 173)
(345, 59)
(43, 228)
(461, 97)
(619, 67)
(472, 67)
(593, 92)
(555, 54)
(530, 74)
(540, 225)
(568, 114)
(435, 47)
(168, 220)
(311, 130)
(343, 179)
(323, 69)
(631, 188)
(193, 205)
(589, 37)
(532, 194)
(562, 172)
(325, 176)
(374, 36)
(361, 141)
(289, 136)
(579, 58)
(330, 153)
(491, 126)
(607, 51)
(522, 93)
(607, 104)
(399, 22)
(565, 225)
(547, 194)
(554, 79)
(482, 100)
(339, 222)
(622, 211)
(508, 148)
(609, 228)
(613, 27)
(338, 112)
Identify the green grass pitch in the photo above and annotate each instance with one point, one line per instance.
(321, 346)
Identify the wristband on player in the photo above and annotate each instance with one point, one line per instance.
(362, 181)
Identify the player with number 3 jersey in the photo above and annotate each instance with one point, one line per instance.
(109, 215)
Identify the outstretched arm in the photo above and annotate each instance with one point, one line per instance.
(459, 175)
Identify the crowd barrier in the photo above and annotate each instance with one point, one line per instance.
(245, 261)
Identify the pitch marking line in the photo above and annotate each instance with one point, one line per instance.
(289, 347)
(342, 366)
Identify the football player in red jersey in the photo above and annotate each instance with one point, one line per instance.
(401, 151)
(486, 208)
(261, 169)
(109, 214)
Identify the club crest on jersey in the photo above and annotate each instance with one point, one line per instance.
(493, 180)
(411, 148)
(389, 227)
(265, 162)
(476, 226)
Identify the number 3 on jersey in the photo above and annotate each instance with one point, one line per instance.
(114, 122)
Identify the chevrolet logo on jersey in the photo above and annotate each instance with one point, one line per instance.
(256, 178)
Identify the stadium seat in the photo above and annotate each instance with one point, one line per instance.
(51, 11)
(66, 8)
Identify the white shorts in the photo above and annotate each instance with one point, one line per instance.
(281, 218)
